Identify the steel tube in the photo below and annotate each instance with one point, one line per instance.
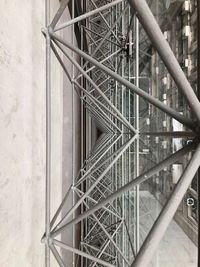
(107, 243)
(98, 47)
(90, 170)
(155, 34)
(57, 230)
(138, 180)
(110, 238)
(96, 102)
(97, 88)
(94, 248)
(107, 34)
(94, 201)
(100, 35)
(171, 112)
(105, 161)
(101, 113)
(86, 15)
(137, 143)
(60, 207)
(59, 13)
(57, 256)
(175, 134)
(81, 253)
(48, 137)
(97, 115)
(93, 227)
(105, 21)
(61, 62)
(160, 226)
(100, 145)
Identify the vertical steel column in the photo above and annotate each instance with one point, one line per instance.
(73, 132)
(48, 135)
(123, 158)
(82, 138)
(137, 155)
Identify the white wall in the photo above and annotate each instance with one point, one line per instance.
(22, 133)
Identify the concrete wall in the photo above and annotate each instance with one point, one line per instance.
(22, 134)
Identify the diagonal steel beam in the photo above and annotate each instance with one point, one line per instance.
(100, 146)
(107, 34)
(155, 34)
(98, 250)
(96, 102)
(97, 114)
(58, 230)
(110, 237)
(105, 21)
(160, 226)
(59, 13)
(106, 244)
(138, 180)
(100, 35)
(81, 253)
(171, 112)
(94, 201)
(175, 134)
(57, 256)
(84, 16)
(100, 112)
(97, 88)
(90, 170)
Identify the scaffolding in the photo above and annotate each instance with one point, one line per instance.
(118, 95)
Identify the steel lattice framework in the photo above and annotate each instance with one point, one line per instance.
(107, 79)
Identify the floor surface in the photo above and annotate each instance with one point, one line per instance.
(175, 249)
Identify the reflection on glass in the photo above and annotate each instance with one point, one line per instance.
(178, 22)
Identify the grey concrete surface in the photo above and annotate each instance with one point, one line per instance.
(175, 249)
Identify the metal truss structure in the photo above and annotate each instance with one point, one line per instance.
(107, 77)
